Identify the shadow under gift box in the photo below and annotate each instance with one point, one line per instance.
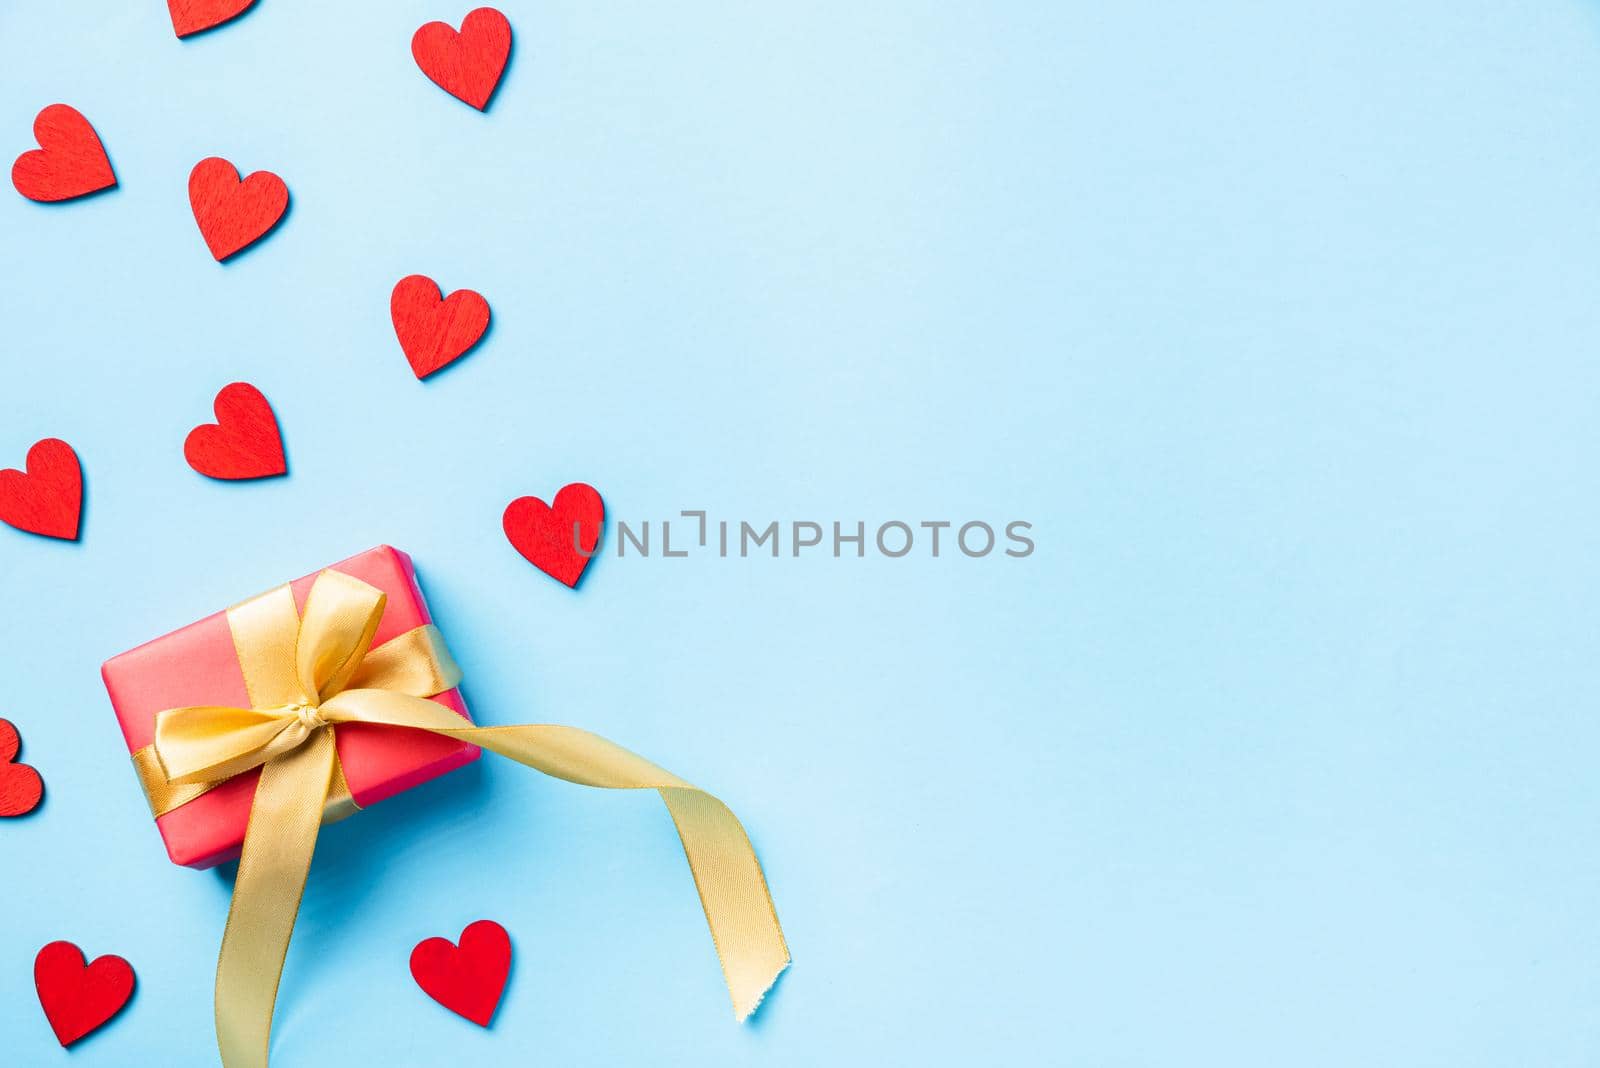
(198, 665)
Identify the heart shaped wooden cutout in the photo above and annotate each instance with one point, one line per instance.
(466, 64)
(192, 16)
(47, 498)
(435, 330)
(557, 538)
(20, 786)
(79, 998)
(467, 979)
(234, 214)
(243, 443)
(69, 162)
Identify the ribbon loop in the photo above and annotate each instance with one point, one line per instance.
(312, 674)
(209, 744)
(341, 616)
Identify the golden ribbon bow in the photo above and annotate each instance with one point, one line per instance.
(310, 674)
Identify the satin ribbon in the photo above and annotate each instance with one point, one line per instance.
(305, 676)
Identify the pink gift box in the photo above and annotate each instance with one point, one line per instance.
(198, 666)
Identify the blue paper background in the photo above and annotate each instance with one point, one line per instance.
(1278, 321)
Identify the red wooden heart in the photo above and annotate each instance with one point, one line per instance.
(435, 330)
(470, 979)
(244, 442)
(79, 998)
(234, 214)
(467, 65)
(69, 162)
(20, 786)
(559, 538)
(48, 499)
(192, 16)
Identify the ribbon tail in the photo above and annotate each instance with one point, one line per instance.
(276, 857)
(733, 890)
(733, 893)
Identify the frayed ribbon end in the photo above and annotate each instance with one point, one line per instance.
(743, 1012)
